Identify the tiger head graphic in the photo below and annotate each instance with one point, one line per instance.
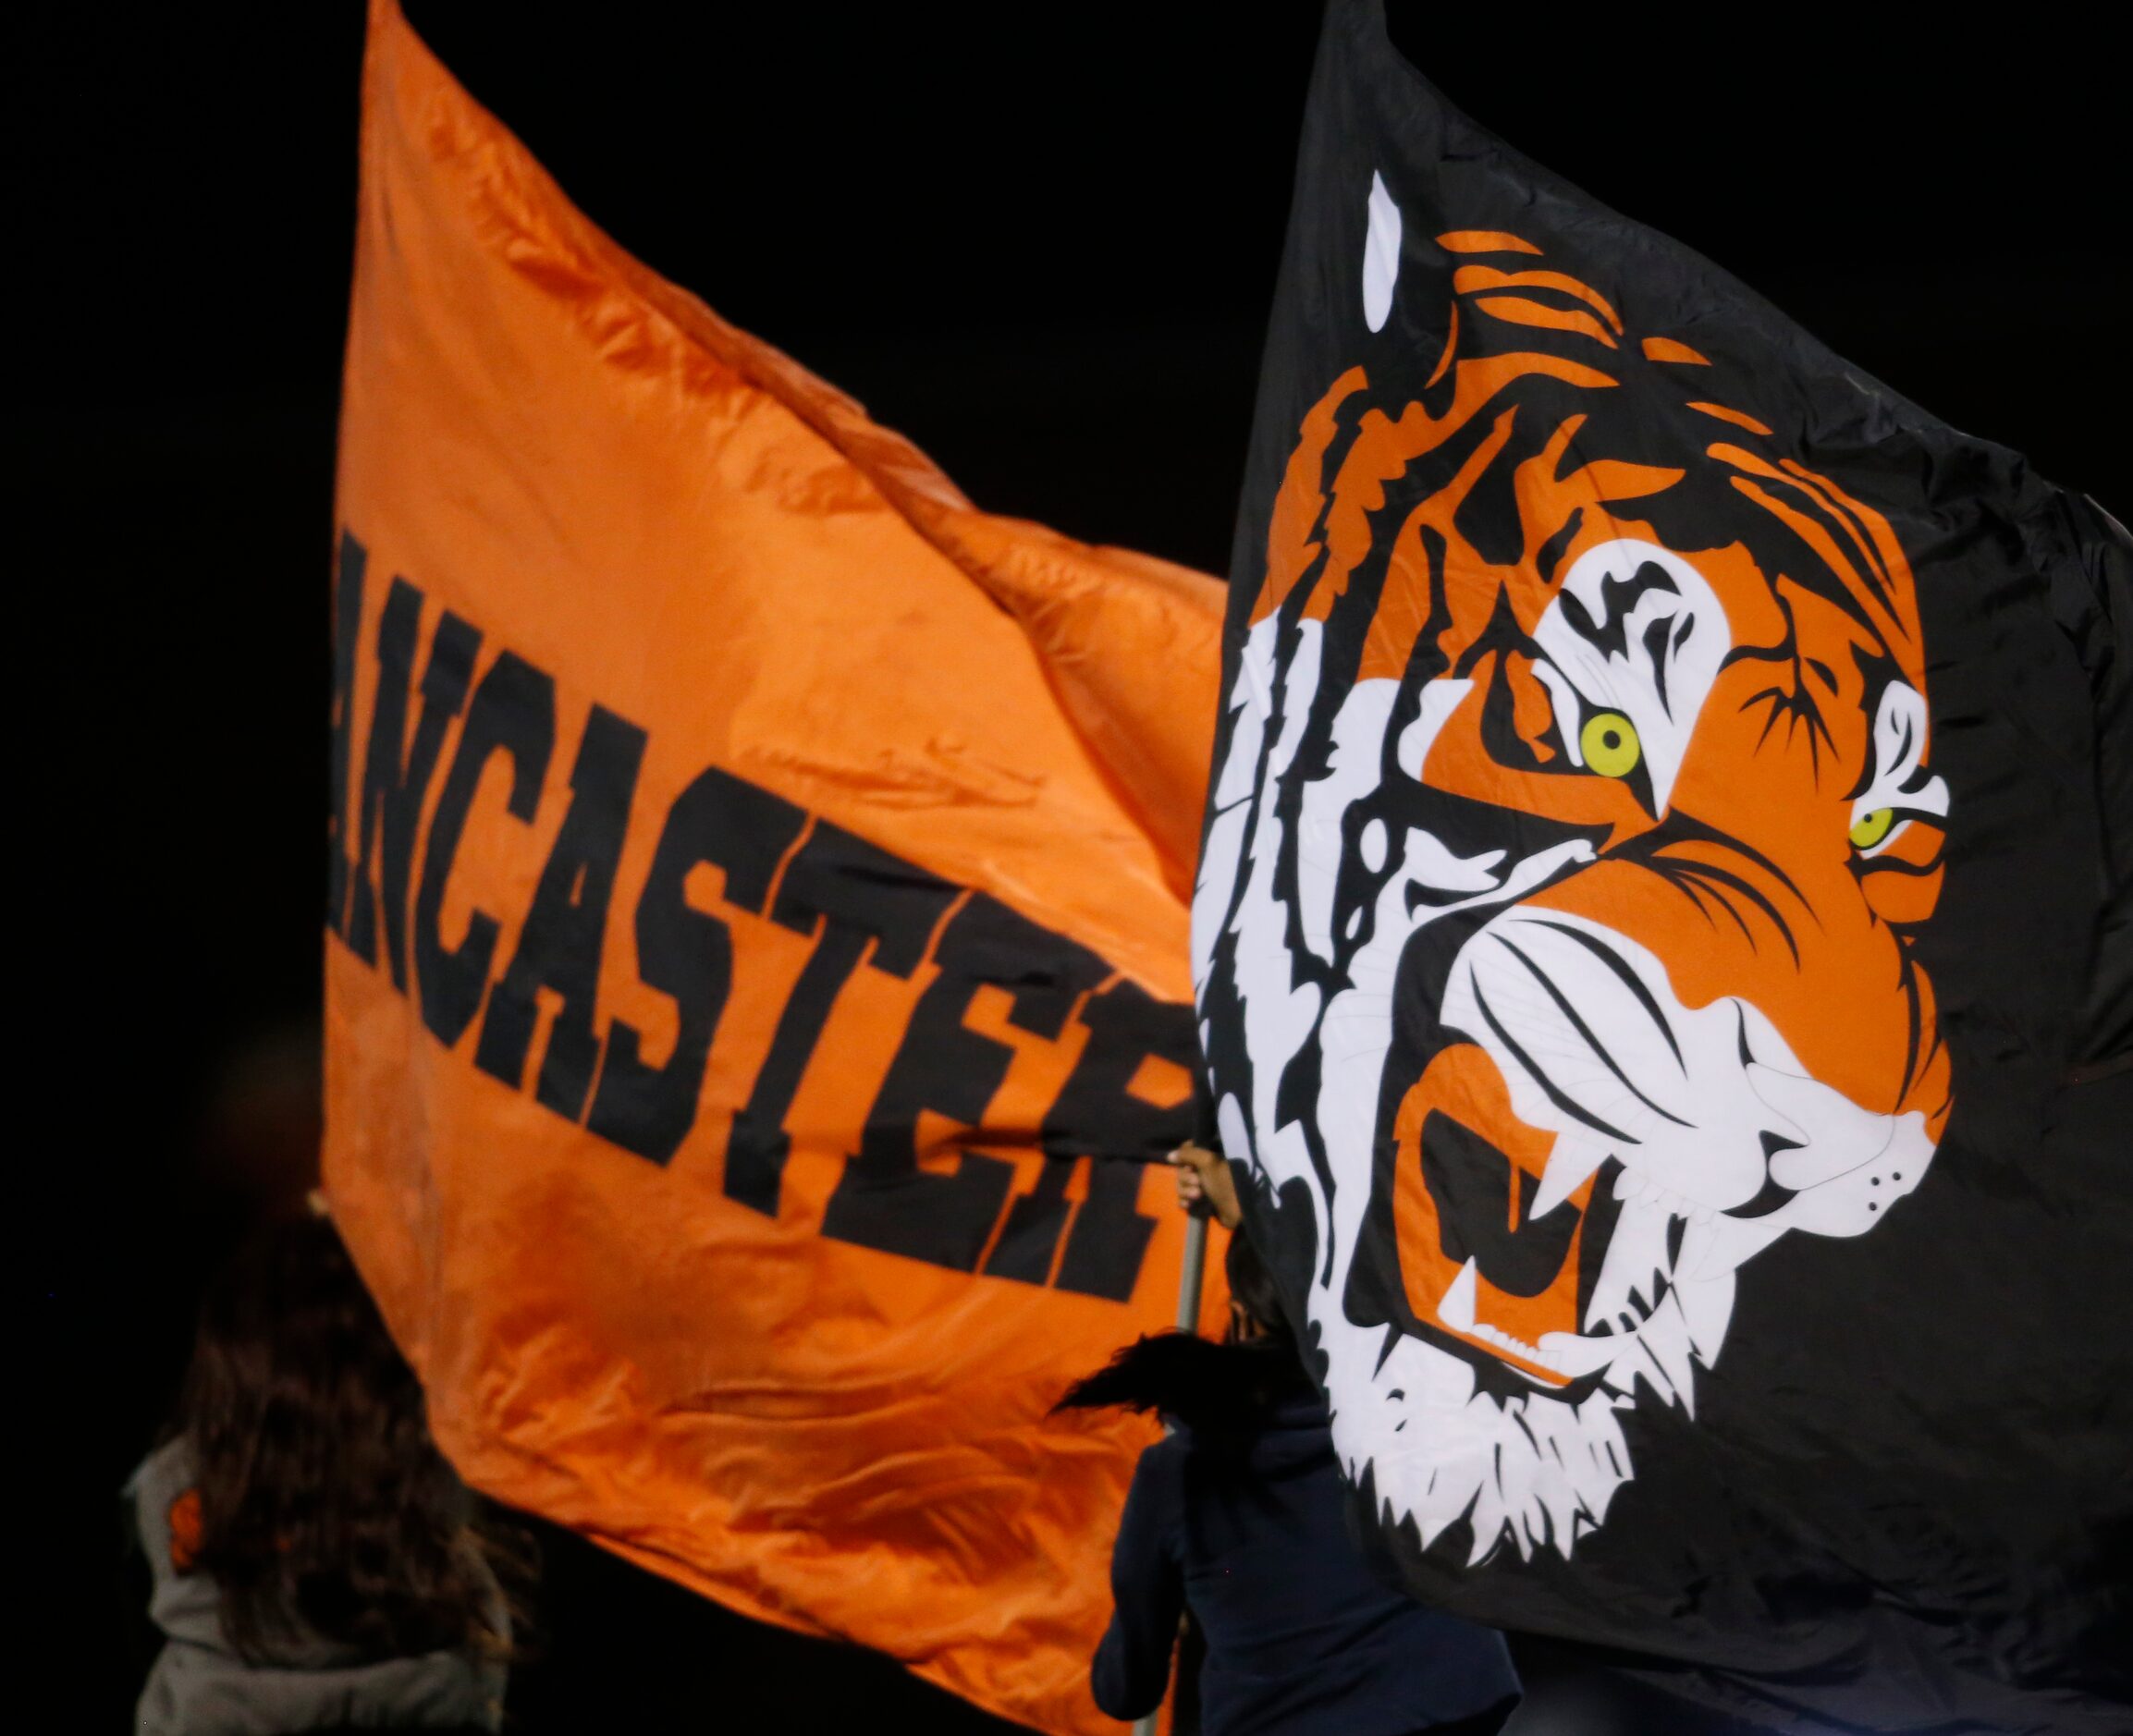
(1553, 932)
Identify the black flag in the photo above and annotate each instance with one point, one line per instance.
(1663, 950)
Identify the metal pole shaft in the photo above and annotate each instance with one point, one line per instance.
(1192, 1272)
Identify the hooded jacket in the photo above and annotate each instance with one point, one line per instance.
(1251, 1535)
(200, 1686)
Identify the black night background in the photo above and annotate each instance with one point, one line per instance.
(1042, 244)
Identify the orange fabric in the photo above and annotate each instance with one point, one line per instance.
(1484, 241)
(1475, 278)
(611, 564)
(185, 1532)
(1739, 418)
(1673, 349)
(1523, 311)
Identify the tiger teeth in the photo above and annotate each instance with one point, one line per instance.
(1568, 1354)
(1515, 1346)
(1569, 1164)
(1455, 1309)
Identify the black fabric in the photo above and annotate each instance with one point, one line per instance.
(1299, 1635)
(1891, 1488)
(1488, 1724)
(1587, 1691)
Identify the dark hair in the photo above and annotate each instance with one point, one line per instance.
(1222, 1392)
(326, 1509)
(1252, 1292)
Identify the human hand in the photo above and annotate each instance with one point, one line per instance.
(1203, 1179)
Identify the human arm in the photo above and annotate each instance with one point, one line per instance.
(1204, 1175)
(1132, 1671)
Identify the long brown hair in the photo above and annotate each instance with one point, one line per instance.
(326, 1509)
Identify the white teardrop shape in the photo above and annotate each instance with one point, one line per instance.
(1381, 255)
(1372, 845)
(1456, 1309)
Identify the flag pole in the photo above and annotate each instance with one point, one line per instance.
(1192, 1277)
(1192, 1272)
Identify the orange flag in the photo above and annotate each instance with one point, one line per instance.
(757, 977)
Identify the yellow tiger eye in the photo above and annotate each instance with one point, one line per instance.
(1870, 829)
(1610, 744)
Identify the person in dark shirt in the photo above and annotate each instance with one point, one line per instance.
(1239, 1516)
